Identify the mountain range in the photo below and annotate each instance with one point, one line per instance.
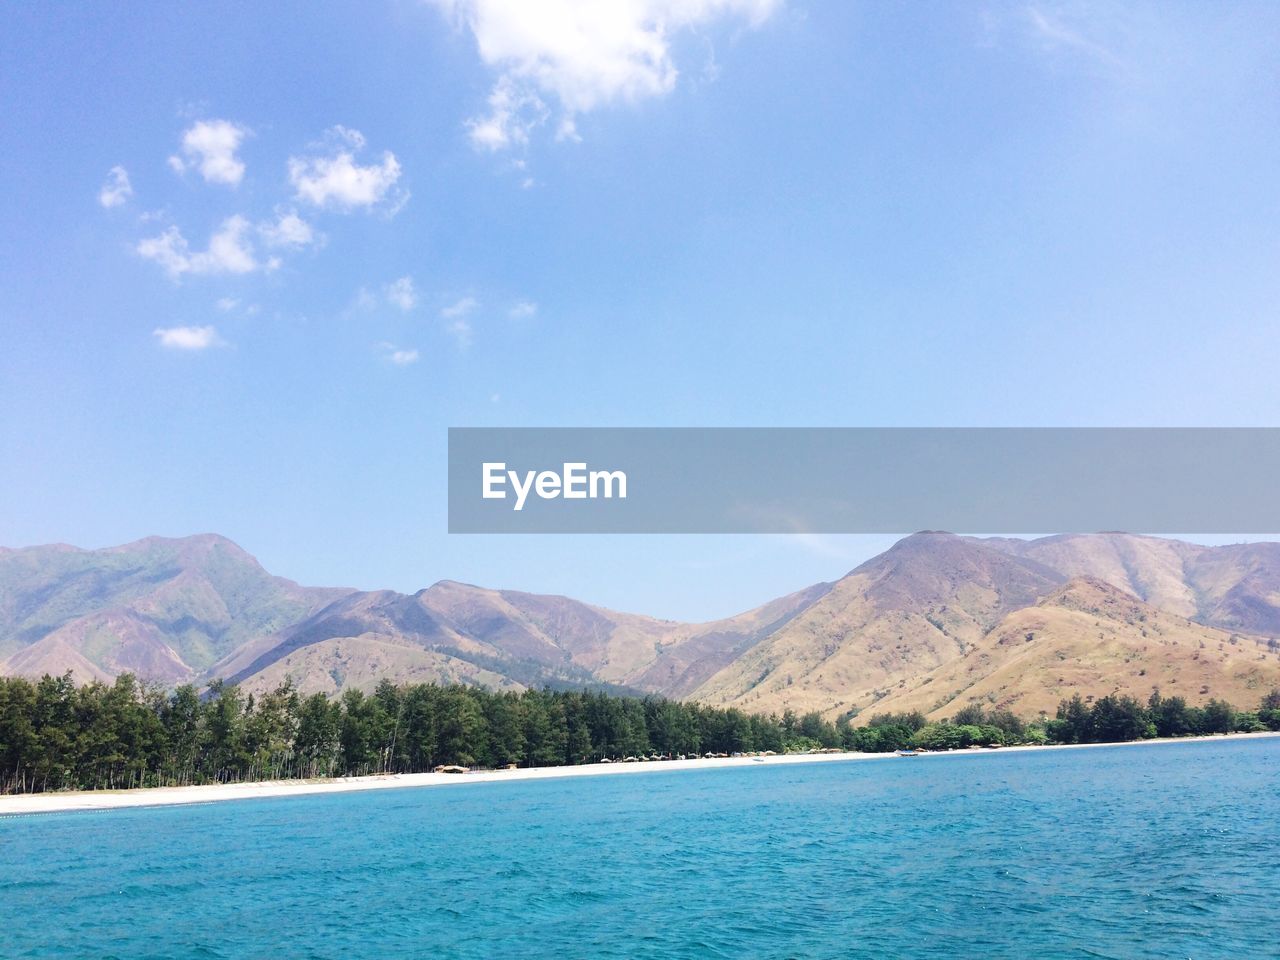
(932, 624)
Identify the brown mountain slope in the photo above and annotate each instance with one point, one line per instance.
(54, 657)
(361, 662)
(200, 608)
(385, 615)
(1091, 638)
(662, 656)
(112, 642)
(507, 638)
(552, 630)
(920, 604)
(161, 608)
(688, 657)
(1234, 587)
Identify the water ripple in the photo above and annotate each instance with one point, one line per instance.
(1140, 852)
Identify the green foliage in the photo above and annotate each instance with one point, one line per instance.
(1217, 717)
(56, 736)
(957, 736)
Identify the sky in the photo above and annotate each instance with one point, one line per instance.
(255, 259)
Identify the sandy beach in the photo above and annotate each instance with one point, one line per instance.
(58, 802)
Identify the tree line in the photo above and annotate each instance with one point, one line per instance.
(1114, 718)
(55, 735)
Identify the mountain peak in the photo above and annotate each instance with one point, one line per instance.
(1095, 596)
(1087, 587)
(190, 544)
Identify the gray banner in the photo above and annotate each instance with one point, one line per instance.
(864, 480)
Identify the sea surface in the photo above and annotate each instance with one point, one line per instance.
(1134, 851)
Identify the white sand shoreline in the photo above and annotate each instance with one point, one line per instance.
(61, 802)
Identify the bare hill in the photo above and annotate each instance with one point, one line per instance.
(922, 603)
(1092, 638)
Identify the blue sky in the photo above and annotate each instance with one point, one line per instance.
(336, 230)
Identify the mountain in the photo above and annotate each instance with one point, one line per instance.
(162, 608)
(1092, 638)
(922, 603)
(1235, 587)
(502, 638)
(934, 622)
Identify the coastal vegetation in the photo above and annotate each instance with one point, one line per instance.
(55, 735)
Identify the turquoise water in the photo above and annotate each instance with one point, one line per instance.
(1138, 851)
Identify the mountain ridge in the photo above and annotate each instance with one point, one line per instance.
(193, 609)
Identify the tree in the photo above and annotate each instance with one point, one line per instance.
(318, 739)
(1170, 716)
(1218, 717)
(180, 715)
(462, 728)
(271, 732)
(225, 732)
(1074, 723)
(56, 735)
(1116, 719)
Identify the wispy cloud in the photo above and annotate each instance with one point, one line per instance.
(458, 326)
(459, 308)
(460, 330)
(398, 356)
(401, 293)
(210, 146)
(522, 310)
(116, 190)
(578, 55)
(188, 338)
(1078, 31)
(364, 300)
(331, 177)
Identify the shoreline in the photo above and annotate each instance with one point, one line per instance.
(84, 800)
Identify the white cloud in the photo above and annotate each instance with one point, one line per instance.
(117, 189)
(333, 178)
(459, 327)
(400, 356)
(522, 310)
(402, 294)
(1054, 30)
(514, 111)
(287, 230)
(583, 54)
(187, 338)
(460, 309)
(460, 330)
(227, 304)
(229, 251)
(363, 301)
(210, 146)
